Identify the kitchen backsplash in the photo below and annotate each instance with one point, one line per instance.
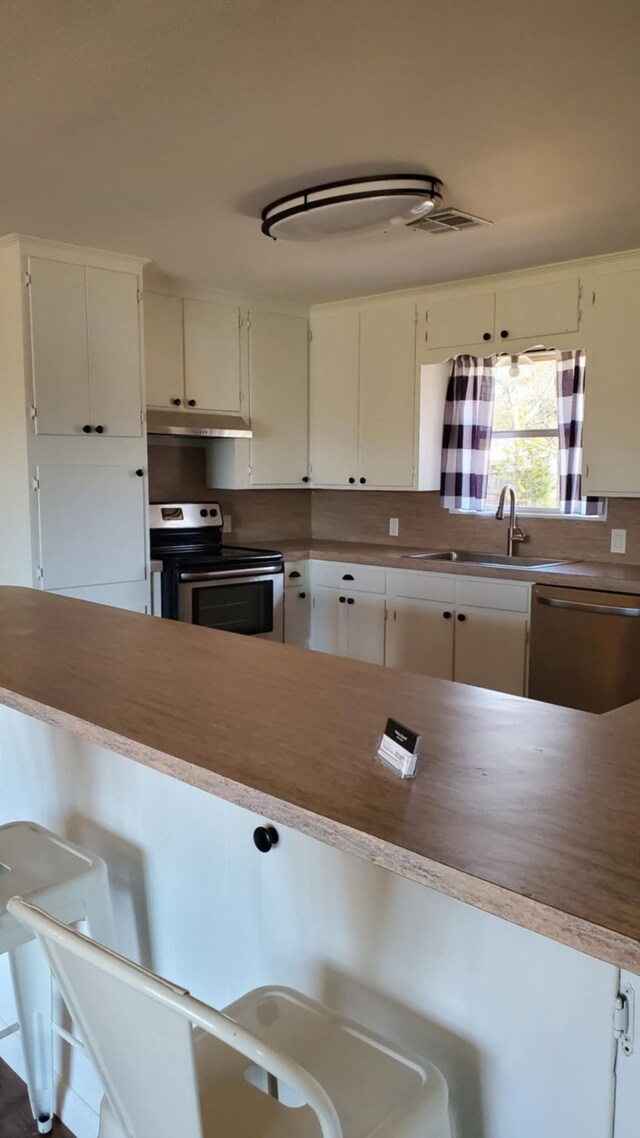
(177, 473)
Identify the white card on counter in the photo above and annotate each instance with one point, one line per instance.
(398, 749)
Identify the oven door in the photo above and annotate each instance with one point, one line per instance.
(247, 601)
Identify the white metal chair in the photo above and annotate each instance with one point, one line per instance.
(73, 885)
(274, 1064)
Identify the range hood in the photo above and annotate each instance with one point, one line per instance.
(198, 424)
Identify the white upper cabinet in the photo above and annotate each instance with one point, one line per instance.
(278, 393)
(335, 361)
(387, 396)
(612, 401)
(114, 352)
(454, 321)
(211, 356)
(164, 353)
(59, 352)
(546, 309)
(85, 344)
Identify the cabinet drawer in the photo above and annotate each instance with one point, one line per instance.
(506, 595)
(421, 586)
(296, 574)
(367, 578)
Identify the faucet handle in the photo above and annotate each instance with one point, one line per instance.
(518, 534)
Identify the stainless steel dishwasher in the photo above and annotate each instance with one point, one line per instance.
(585, 648)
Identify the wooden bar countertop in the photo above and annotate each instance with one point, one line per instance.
(522, 809)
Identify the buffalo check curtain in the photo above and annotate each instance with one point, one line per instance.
(570, 378)
(466, 438)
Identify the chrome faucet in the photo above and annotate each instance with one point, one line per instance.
(514, 533)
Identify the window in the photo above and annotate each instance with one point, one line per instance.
(525, 443)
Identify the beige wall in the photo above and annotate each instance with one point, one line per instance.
(178, 474)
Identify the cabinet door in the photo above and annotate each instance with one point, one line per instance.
(278, 349)
(163, 349)
(612, 387)
(328, 617)
(365, 627)
(537, 310)
(333, 409)
(92, 525)
(454, 321)
(420, 637)
(130, 595)
(212, 355)
(491, 649)
(115, 374)
(387, 396)
(60, 361)
(297, 617)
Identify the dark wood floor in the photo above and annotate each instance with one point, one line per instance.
(16, 1120)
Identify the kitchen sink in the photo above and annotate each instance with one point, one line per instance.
(490, 560)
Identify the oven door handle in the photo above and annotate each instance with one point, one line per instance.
(232, 574)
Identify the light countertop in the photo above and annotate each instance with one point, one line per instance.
(526, 810)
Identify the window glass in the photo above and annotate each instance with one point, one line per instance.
(524, 446)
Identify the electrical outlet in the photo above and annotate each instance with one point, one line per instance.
(618, 540)
(228, 524)
(394, 524)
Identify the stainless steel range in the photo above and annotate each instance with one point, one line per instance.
(208, 583)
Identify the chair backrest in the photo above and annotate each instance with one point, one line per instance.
(137, 1029)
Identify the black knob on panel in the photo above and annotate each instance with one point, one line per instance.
(347, 577)
(305, 478)
(140, 472)
(191, 402)
(295, 573)
(486, 335)
(87, 428)
(99, 430)
(177, 402)
(203, 513)
(352, 480)
(461, 616)
(302, 596)
(362, 481)
(265, 838)
(350, 601)
(447, 615)
(342, 600)
(504, 334)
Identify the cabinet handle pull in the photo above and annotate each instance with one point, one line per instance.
(486, 335)
(140, 472)
(348, 577)
(177, 402)
(447, 615)
(191, 402)
(99, 429)
(87, 428)
(504, 334)
(302, 596)
(342, 600)
(461, 616)
(295, 573)
(265, 838)
(350, 601)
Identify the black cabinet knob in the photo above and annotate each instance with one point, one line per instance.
(461, 616)
(177, 402)
(347, 577)
(265, 838)
(140, 472)
(350, 601)
(87, 428)
(362, 481)
(504, 334)
(305, 477)
(352, 480)
(447, 615)
(295, 573)
(302, 596)
(99, 429)
(342, 600)
(191, 402)
(486, 335)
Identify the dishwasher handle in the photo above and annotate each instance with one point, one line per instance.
(580, 606)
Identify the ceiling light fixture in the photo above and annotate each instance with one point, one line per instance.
(351, 207)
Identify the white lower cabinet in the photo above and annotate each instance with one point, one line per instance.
(420, 637)
(491, 649)
(348, 623)
(131, 595)
(297, 617)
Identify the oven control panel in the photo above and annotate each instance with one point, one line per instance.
(184, 515)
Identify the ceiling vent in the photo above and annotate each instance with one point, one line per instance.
(447, 221)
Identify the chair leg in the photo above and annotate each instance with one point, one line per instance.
(32, 986)
(99, 913)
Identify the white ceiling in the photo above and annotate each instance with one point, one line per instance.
(161, 128)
